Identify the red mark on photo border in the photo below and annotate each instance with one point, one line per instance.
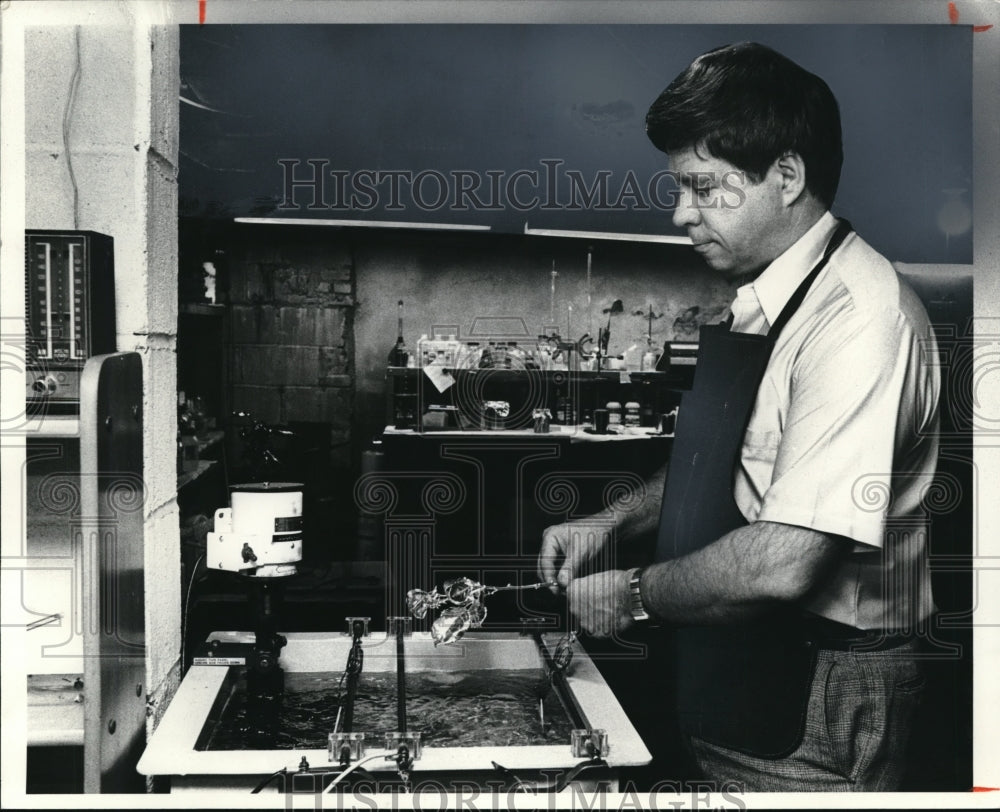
(986, 789)
(953, 18)
(202, 4)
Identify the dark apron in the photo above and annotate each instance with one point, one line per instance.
(744, 686)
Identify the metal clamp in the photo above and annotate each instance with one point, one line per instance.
(411, 740)
(399, 624)
(350, 625)
(589, 743)
(350, 744)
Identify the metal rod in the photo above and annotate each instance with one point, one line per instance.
(552, 293)
(352, 689)
(400, 677)
(590, 312)
(355, 662)
(561, 686)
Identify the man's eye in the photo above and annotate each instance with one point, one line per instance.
(703, 192)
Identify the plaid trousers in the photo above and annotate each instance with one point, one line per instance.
(858, 720)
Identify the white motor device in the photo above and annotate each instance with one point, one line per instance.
(260, 534)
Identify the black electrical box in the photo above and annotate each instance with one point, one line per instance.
(69, 311)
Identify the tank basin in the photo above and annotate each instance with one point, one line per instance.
(172, 750)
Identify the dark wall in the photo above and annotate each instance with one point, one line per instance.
(503, 98)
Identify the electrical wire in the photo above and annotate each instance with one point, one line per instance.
(74, 83)
(187, 602)
(556, 786)
(351, 769)
(268, 780)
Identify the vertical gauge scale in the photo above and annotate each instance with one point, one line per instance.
(70, 312)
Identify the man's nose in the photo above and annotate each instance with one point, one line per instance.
(686, 213)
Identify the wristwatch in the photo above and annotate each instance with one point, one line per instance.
(635, 605)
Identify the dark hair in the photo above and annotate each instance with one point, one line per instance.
(748, 105)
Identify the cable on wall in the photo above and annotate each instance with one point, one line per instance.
(74, 83)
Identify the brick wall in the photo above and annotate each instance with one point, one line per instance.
(290, 345)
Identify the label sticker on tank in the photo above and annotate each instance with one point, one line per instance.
(286, 524)
(289, 537)
(219, 661)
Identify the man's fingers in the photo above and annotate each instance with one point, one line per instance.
(547, 558)
(573, 601)
(576, 557)
(566, 573)
(579, 601)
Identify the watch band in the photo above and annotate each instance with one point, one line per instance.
(636, 607)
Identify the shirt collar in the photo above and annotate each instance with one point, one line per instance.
(775, 286)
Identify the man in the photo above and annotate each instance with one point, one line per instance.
(790, 570)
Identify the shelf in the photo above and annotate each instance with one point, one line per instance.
(208, 439)
(613, 375)
(50, 425)
(574, 434)
(190, 476)
(55, 709)
(670, 239)
(409, 396)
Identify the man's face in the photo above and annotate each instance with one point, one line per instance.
(733, 222)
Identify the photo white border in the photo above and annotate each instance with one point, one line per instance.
(15, 17)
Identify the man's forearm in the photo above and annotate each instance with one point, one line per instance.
(745, 573)
(631, 519)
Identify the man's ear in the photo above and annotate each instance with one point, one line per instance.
(792, 171)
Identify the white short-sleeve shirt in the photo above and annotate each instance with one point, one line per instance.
(843, 434)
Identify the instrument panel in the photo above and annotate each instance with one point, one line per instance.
(70, 311)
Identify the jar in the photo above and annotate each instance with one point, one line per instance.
(649, 359)
(565, 411)
(632, 413)
(486, 356)
(469, 356)
(614, 413)
(495, 414)
(646, 417)
(516, 358)
(501, 355)
(541, 419)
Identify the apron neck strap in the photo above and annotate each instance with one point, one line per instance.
(839, 235)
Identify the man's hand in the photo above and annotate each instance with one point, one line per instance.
(600, 602)
(568, 547)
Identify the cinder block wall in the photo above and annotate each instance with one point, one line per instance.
(291, 332)
(101, 154)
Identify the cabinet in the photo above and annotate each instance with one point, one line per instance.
(81, 577)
